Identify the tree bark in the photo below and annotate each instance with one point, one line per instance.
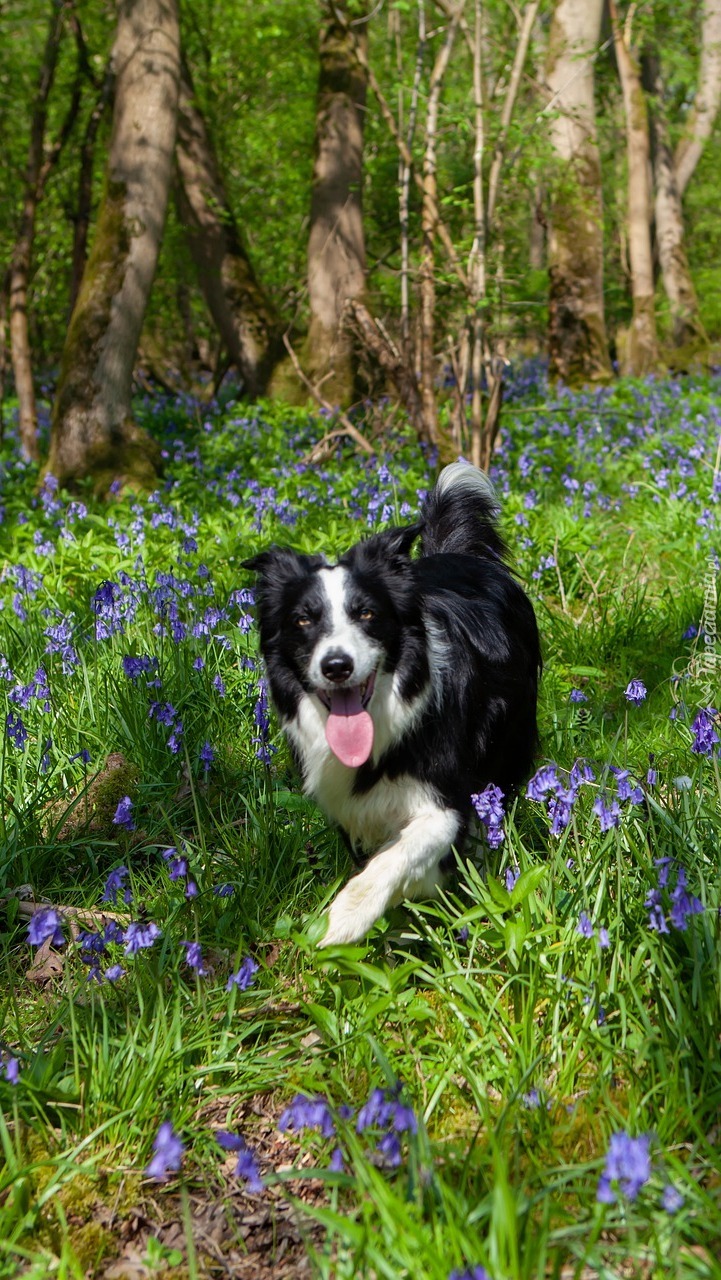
(20, 264)
(642, 354)
(92, 432)
(85, 187)
(429, 218)
(687, 327)
(707, 100)
(336, 246)
(578, 347)
(243, 315)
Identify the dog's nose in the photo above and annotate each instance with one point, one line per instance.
(336, 666)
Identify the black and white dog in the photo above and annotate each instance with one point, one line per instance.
(404, 686)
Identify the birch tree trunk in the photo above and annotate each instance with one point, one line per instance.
(92, 431)
(642, 355)
(707, 100)
(429, 221)
(242, 313)
(20, 264)
(336, 246)
(677, 281)
(578, 347)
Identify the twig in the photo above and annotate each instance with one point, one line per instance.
(348, 428)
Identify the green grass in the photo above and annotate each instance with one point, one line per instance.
(521, 1044)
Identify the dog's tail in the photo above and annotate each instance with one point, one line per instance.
(459, 515)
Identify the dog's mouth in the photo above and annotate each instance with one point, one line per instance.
(349, 727)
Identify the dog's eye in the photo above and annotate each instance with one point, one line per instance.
(366, 615)
(303, 620)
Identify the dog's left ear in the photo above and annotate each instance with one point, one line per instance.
(392, 543)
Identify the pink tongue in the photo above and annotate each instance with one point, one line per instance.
(349, 729)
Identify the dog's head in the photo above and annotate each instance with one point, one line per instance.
(335, 628)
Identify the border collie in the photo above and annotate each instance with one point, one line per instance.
(404, 686)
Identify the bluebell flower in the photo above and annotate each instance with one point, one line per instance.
(604, 940)
(656, 918)
(584, 926)
(219, 686)
(577, 695)
(244, 976)
(114, 973)
(16, 731)
(336, 1163)
(168, 1155)
(609, 814)
(705, 737)
(124, 814)
(223, 890)
(207, 756)
(194, 957)
(115, 885)
(635, 692)
(512, 874)
(470, 1273)
(671, 1199)
(628, 1166)
(531, 1100)
(544, 780)
(308, 1113)
(247, 1165)
(83, 755)
(10, 1068)
(139, 935)
(488, 805)
(44, 924)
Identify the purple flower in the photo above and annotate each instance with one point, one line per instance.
(223, 890)
(531, 1100)
(10, 1068)
(471, 1273)
(635, 692)
(114, 886)
(115, 972)
(247, 1166)
(656, 918)
(683, 905)
(584, 926)
(44, 924)
(628, 1165)
(168, 1152)
(16, 731)
(671, 1199)
(243, 978)
(308, 1113)
(604, 940)
(705, 737)
(544, 780)
(609, 815)
(207, 756)
(124, 814)
(577, 695)
(512, 874)
(140, 935)
(194, 957)
(219, 686)
(488, 805)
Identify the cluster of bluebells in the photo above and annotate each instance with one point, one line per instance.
(628, 1169)
(547, 787)
(384, 1116)
(488, 805)
(705, 738)
(681, 904)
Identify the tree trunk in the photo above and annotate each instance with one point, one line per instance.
(242, 313)
(92, 432)
(578, 348)
(429, 222)
(336, 247)
(85, 187)
(707, 100)
(20, 264)
(687, 328)
(642, 354)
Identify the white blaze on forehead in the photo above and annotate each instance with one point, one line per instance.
(342, 632)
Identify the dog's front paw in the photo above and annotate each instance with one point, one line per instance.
(352, 914)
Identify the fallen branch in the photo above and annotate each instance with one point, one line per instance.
(348, 428)
(377, 341)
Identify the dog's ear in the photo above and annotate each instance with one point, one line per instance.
(282, 564)
(392, 544)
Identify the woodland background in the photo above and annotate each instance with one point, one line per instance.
(410, 197)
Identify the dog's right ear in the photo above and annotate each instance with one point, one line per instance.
(282, 564)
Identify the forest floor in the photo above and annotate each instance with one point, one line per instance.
(520, 1080)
